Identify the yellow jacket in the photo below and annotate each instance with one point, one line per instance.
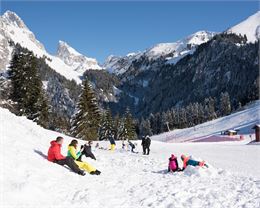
(72, 153)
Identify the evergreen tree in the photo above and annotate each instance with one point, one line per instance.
(106, 125)
(85, 122)
(27, 90)
(225, 105)
(129, 126)
(145, 127)
(117, 127)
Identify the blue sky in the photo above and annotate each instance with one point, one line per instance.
(99, 29)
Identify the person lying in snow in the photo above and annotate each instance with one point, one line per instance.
(54, 155)
(173, 164)
(86, 150)
(83, 165)
(189, 161)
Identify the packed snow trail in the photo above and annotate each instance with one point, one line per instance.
(127, 180)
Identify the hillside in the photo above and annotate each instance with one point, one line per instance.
(29, 180)
(243, 120)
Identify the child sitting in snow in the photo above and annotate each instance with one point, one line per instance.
(173, 164)
(190, 161)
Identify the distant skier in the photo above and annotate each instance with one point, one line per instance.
(189, 161)
(83, 165)
(112, 143)
(54, 155)
(86, 150)
(146, 142)
(173, 165)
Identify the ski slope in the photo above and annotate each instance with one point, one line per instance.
(243, 120)
(127, 179)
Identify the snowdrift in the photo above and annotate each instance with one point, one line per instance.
(127, 180)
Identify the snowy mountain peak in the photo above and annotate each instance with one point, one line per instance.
(74, 59)
(177, 48)
(63, 46)
(12, 18)
(248, 27)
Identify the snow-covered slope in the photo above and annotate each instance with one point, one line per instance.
(171, 52)
(248, 27)
(74, 59)
(127, 180)
(14, 29)
(243, 120)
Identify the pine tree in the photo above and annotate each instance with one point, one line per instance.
(27, 90)
(225, 105)
(106, 125)
(129, 126)
(145, 127)
(85, 122)
(118, 128)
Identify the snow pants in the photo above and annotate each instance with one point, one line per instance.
(85, 166)
(146, 150)
(70, 163)
(112, 147)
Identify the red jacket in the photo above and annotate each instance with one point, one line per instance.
(54, 152)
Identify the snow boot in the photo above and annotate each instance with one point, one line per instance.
(96, 172)
(81, 173)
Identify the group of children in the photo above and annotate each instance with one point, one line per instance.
(173, 165)
(74, 157)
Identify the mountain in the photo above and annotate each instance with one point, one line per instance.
(169, 52)
(71, 64)
(248, 27)
(74, 59)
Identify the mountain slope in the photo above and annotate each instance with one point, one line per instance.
(74, 59)
(243, 120)
(248, 27)
(170, 52)
(29, 180)
(14, 29)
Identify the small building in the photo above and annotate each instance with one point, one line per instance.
(257, 132)
(230, 132)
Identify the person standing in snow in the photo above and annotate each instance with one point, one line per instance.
(112, 143)
(83, 165)
(146, 145)
(173, 165)
(189, 161)
(86, 150)
(143, 144)
(54, 155)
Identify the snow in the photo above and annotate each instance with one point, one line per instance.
(243, 121)
(248, 27)
(172, 52)
(127, 180)
(14, 29)
(74, 59)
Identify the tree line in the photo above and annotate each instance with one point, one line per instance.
(89, 122)
(183, 117)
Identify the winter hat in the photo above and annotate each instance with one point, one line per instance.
(173, 156)
(183, 157)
